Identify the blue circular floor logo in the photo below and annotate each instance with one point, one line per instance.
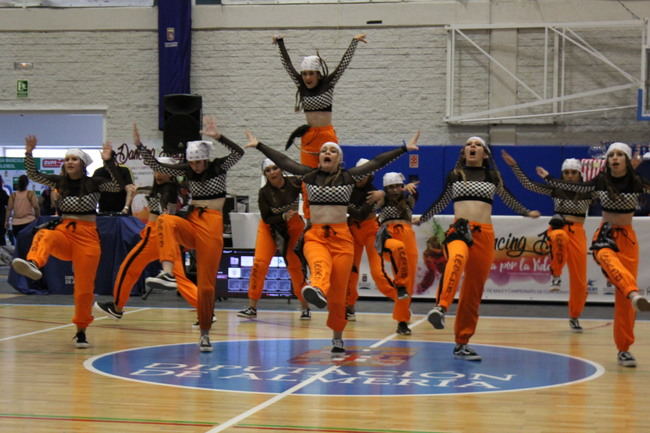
(398, 367)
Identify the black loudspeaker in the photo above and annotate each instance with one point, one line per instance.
(182, 121)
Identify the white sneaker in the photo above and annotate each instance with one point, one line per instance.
(640, 303)
(556, 283)
(163, 281)
(204, 344)
(27, 268)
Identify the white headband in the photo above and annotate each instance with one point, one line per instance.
(310, 63)
(480, 140)
(333, 144)
(571, 164)
(361, 161)
(198, 150)
(619, 146)
(267, 163)
(393, 178)
(83, 156)
(167, 160)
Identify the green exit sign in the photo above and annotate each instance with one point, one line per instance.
(22, 89)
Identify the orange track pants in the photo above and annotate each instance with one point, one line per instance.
(363, 235)
(311, 142)
(203, 232)
(329, 251)
(143, 253)
(76, 241)
(265, 249)
(569, 246)
(621, 270)
(478, 260)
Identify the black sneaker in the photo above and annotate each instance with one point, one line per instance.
(197, 325)
(80, 341)
(437, 317)
(305, 314)
(402, 293)
(556, 283)
(574, 324)
(204, 344)
(338, 346)
(463, 351)
(27, 268)
(248, 313)
(626, 359)
(314, 296)
(403, 328)
(162, 281)
(350, 314)
(108, 308)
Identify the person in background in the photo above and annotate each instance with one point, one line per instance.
(469, 242)
(75, 236)
(615, 246)
(46, 203)
(328, 245)
(566, 233)
(279, 230)
(117, 202)
(315, 96)
(22, 207)
(4, 201)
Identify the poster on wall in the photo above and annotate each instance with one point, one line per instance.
(12, 168)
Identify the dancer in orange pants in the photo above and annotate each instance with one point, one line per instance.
(328, 243)
(162, 198)
(279, 229)
(469, 242)
(315, 96)
(566, 233)
(75, 238)
(614, 246)
(396, 242)
(202, 229)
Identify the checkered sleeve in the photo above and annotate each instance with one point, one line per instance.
(584, 187)
(51, 180)
(511, 201)
(236, 153)
(286, 62)
(441, 202)
(345, 61)
(283, 161)
(527, 183)
(150, 161)
(112, 184)
(376, 163)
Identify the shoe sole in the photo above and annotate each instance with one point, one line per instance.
(642, 304)
(99, 309)
(305, 318)
(627, 363)
(311, 295)
(436, 319)
(82, 345)
(205, 349)
(468, 358)
(246, 316)
(554, 289)
(351, 319)
(153, 284)
(26, 270)
(576, 330)
(403, 332)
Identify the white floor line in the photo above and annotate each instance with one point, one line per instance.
(231, 422)
(13, 337)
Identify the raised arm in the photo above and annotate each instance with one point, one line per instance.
(116, 182)
(286, 60)
(51, 180)
(211, 130)
(150, 161)
(525, 181)
(346, 59)
(440, 203)
(513, 203)
(580, 187)
(383, 159)
(281, 160)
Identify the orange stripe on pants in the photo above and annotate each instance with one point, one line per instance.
(363, 235)
(143, 253)
(76, 241)
(203, 232)
(265, 249)
(478, 260)
(569, 246)
(311, 142)
(329, 251)
(621, 270)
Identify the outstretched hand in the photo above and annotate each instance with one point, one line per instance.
(508, 158)
(533, 214)
(361, 37)
(411, 187)
(30, 143)
(541, 172)
(276, 38)
(252, 140)
(412, 144)
(107, 151)
(210, 127)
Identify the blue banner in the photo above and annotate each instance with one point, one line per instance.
(174, 50)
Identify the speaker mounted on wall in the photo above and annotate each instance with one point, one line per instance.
(182, 121)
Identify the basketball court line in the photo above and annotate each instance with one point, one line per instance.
(232, 421)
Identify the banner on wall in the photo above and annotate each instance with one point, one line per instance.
(12, 168)
(521, 267)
